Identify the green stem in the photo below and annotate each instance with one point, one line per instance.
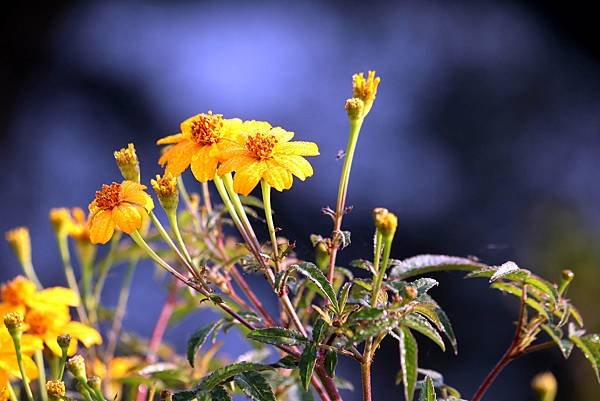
(62, 363)
(16, 337)
(39, 361)
(188, 204)
(11, 391)
(65, 256)
(387, 247)
(172, 217)
(137, 238)
(239, 208)
(30, 273)
(266, 194)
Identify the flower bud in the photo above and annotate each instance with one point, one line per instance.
(56, 389)
(95, 383)
(76, 365)
(354, 107)
(411, 292)
(385, 222)
(20, 241)
(567, 277)
(64, 341)
(128, 163)
(13, 322)
(166, 190)
(545, 386)
(365, 89)
(60, 218)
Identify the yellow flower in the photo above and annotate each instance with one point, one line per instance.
(122, 205)
(128, 163)
(118, 368)
(166, 190)
(195, 144)
(9, 367)
(71, 222)
(49, 323)
(261, 152)
(21, 242)
(365, 89)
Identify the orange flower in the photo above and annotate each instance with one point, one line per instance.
(261, 152)
(9, 367)
(72, 222)
(122, 205)
(199, 136)
(119, 368)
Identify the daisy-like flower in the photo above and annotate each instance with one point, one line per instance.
(119, 368)
(261, 152)
(195, 144)
(72, 222)
(118, 205)
(9, 367)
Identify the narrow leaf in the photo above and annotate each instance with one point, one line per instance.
(408, 362)
(219, 394)
(198, 339)
(590, 346)
(319, 331)
(277, 336)
(225, 373)
(503, 270)
(307, 364)
(427, 390)
(420, 324)
(314, 274)
(184, 396)
(255, 386)
(331, 360)
(564, 345)
(423, 264)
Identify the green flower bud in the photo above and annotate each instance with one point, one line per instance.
(76, 365)
(128, 163)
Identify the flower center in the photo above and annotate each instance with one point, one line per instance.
(261, 145)
(17, 291)
(109, 196)
(207, 128)
(39, 322)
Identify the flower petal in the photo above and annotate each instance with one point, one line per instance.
(278, 177)
(178, 157)
(227, 149)
(204, 166)
(170, 139)
(246, 179)
(9, 364)
(235, 163)
(297, 165)
(133, 192)
(127, 217)
(102, 227)
(281, 134)
(299, 148)
(87, 335)
(53, 296)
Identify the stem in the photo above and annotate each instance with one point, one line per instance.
(16, 337)
(266, 195)
(172, 217)
(62, 363)
(11, 391)
(206, 196)
(65, 256)
(39, 361)
(239, 279)
(365, 374)
(340, 209)
(29, 271)
(188, 203)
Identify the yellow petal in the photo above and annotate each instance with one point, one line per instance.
(228, 149)
(8, 308)
(170, 139)
(133, 192)
(178, 157)
(297, 165)
(102, 227)
(204, 166)
(235, 163)
(87, 335)
(246, 179)
(10, 365)
(299, 148)
(281, 134)
(53, 296)
(127, 217)
(30, 344)
(278, 177)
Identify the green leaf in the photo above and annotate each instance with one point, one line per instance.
(319, 331)
(427, 390)
(516, 291)
(219, 394)
(504, 270)
(343, 296)
(331, 360)
(366, 314)
(307, 364)
(364, 265)
(590, 346)
(198, 339)
(314, 274)
(225, 373)
(287, 362)
(255, 386)
(564, 345)
(420, 324)
(408, 362)
(544, 286)
(277, 336)
(431, 310)
(423, 264)
(184, 396)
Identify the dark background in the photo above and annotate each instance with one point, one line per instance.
(484, 139)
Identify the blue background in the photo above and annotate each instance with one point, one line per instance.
(484, 139)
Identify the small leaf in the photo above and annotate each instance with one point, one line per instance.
(255, 386)
(219, 394)
(307, 364)
(342, 238)
(590, 346)
(366, 314)
(314, 274)
(422, 325)
(225, 373)
(427, 390)
(184, 396)
(277, 336)
(343, 297)
(319, 331)
(364, 265)
(564, 345)
(423, 264)
(331, 360)
(408, 362)
(503, 270)
(287, 362)
(198, 339)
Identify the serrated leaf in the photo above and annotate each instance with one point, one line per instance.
(504, 269)
(420, 324)
(316, 276)
(516, 291)
(225, 373)
(197, 339)
(307, 364)
(184, 396)
(219, 394)
(427, 390)
(331, 361)
(364, 265)
(544, 286)
(287, 362)
(590, 346)
(343, 296)
(423, 264)
(342, 238)
(431, 310)
(319, 331)
(565, 346)
(255, 386)
(277, 336)
(366, 314)
(408, 362)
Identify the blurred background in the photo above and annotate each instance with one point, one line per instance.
(484, 139)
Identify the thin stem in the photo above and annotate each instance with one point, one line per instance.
(11, 391)
(206, 196)
(172, 217)
(65, 256)
(365, 374)
(17, 342)
(239, 279)
(62, 363)
(39, 361)
(137, 238)
(266, 195)
(343, 191)
(188, 204)
(30, 273)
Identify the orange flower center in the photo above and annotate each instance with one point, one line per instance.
(38, 322)
(109, 196)
(261, 145)
(207, 128)
(17, 291)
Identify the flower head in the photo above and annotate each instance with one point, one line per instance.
(166, 190)
(118, 205)
(72, 222)
(365, 89)
(194, 146)
(261, 152)
(56, 389)
(385, 221)
(21, 243)
(128, 163)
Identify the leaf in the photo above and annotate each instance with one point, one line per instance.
(408, 362)
(364, 265)
(198, 339)
(184, 396)
(225, 373)
(504, 269)
(219, 394)
(277, 336)
(544, 286)
(343, 296)
(314, 274)
(516, 291)
(319, 331)
(427, 390)
(422, 325)
(366, 314)
(287, 362)
(255, 386)
(564, 345)
(432, 311)
(342, 238)
(423, 264)
(590, 346)
(307, 364)
(330, 364)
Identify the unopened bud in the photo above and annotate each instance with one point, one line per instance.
(56, 389)
(13, 322)
(76, 365)
(385, 222)
(64, 341)
(545, 386)
(354, 107)
(128, 163)
(95, 382)
(20, 241)
(60, 218)
(567, 277)
(166, 190)
(411, 292)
